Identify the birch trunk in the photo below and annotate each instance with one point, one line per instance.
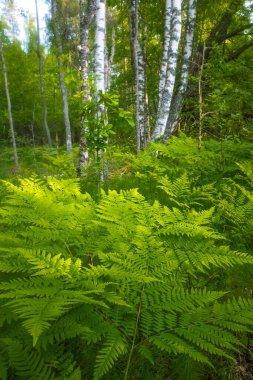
(167, 92)
(64, 92)
(166, 46)
(100, 74)
(109, 63)
(87, 12)
(139, 73)
(186, 61)
(201, 105)
(42, 90)
(15, 154)
(100, 45)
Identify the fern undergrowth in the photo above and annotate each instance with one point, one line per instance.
(126, 287)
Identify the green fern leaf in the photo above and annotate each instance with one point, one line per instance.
(4, 365)
(113, 348)
(28, 363)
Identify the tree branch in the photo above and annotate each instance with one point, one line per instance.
(238, 31)
(235, 54)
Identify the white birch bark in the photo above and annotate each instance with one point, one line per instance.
(164, 107)
(167, 36)
(201, 104)
(139, 72)
(15, 154)
(64, 92)
(100, 74)
(109, 63)
(100, 45)
(42, 90)
(87, 12)
(186, 61)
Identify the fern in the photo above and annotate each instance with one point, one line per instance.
(4, 365)
(29, 364)
(113, 347)
(124, 276)
(235, 210)
(29, 209)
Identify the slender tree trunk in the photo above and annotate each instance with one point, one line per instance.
(42, 90)
(65, 104)
(87, 12)
(166, 97)
(200, 87)
(147, 106)
(100, 74)
(166, 46)
(15, 154)
(64, 92)
(100, 45)
(177, 101)
(32, 127)
(109, 63)
(139, 73)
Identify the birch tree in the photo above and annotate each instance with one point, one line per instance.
(166, 91)
(15, 154)
(139, 73)
(177, 103)
(100, 75)
(42, 89)
(109, 61)
(87, 13)
(167, 45)
(100, 45)
(64, 92)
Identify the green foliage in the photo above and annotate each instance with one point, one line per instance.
(40, 160)
(104, 117)
(124, 278)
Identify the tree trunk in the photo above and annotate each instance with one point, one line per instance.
(42, 90)
(100, 75)
(100, 45)
(167, 92)
(109, 62)
(87, 12)
(177, 101)
(139, 73)
(9, 106)
(200, 87)
(166, 46)
(64, 92)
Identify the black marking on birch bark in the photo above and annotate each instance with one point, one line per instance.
(139, 71)
(177, 101)
(167, 91)
(87, 14)
(64, 92)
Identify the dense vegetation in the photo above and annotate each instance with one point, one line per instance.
(136, 283)
(125, 265)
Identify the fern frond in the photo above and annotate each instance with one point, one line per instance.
(113, 348)
(28, 363)
(175, 345)
(146, 353)
(178, 190)
(46, 264)
(4, 365)
(246, 168)
(37, 313)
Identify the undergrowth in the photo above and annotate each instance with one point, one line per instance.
(130, 283)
